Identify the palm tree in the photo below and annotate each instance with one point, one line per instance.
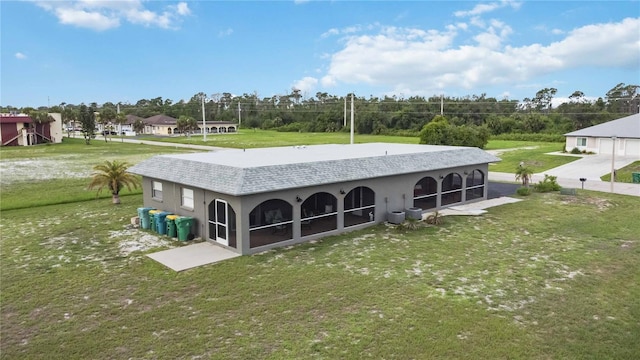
(114, 176)
(523, 174)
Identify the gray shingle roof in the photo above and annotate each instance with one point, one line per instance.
(242, 172)
(626, 127)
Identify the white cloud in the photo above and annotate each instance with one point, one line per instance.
(306, 85)
(101, 15)
(488, 7)
(417, 61)
(20, 56)
(225, 33)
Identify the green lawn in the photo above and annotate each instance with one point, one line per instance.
(249, 138)
(624, 174)
(54, 174)
(550, 277)
(536, 158)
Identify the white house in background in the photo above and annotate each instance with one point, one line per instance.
(599, 138)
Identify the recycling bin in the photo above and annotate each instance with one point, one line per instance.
(170, 220)
(635, 177)
(161, 227)
(152, 220)
(143, 214)
(183, 224)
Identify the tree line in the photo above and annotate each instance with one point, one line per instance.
(374, 115)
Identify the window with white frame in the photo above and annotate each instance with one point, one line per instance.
(156, 190)
(187, 198)
(581, 141)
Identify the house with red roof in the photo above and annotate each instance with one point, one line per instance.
(22, 130)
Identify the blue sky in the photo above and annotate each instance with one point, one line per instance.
(124, 51)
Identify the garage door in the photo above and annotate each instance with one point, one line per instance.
(605, 146)
(632, 148)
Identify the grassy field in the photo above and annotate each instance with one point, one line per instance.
(551, 277)
(249, 138)
(61, 172)
(534, 155)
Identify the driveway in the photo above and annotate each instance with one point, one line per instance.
(591, 167)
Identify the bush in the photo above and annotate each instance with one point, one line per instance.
(575, 150)
(548, 184)
(409, 225)
(530, 137)
(523, 191)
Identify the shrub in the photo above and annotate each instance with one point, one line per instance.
(409, 225)
(435, 219)
(575, 150)
(530, 137)
(523, 191)
(548, 184)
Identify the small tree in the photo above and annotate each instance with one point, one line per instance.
(87, 118)
(523, 174)
(114, 176)
(106, 117)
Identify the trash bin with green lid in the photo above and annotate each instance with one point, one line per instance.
(183, 224)
(635, 177)
(161, 227)
(152, 220)
(170, 220)
(143, 214)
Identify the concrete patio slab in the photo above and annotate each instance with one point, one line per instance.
(474, 209)
(190, 256)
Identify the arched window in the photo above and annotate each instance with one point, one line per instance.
(270, 222)
(318, 213)
(359, 206)
(425, 193)
(451, 189)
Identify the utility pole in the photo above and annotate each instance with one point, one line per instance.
(352, 118)
(239, 115)
(613, 161)
(204, 123)
(441, 104)
(345, 112)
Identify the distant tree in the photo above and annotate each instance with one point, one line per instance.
(186, 123)
(40, 116)
(440, 132)
(542, 101)
(624, 99)
(87, 119)
(106, 117)
(113, 175)
(138, 126)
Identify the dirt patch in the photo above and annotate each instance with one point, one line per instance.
(598, 203)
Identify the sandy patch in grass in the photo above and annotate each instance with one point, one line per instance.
(42, 169)
(134, 240)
